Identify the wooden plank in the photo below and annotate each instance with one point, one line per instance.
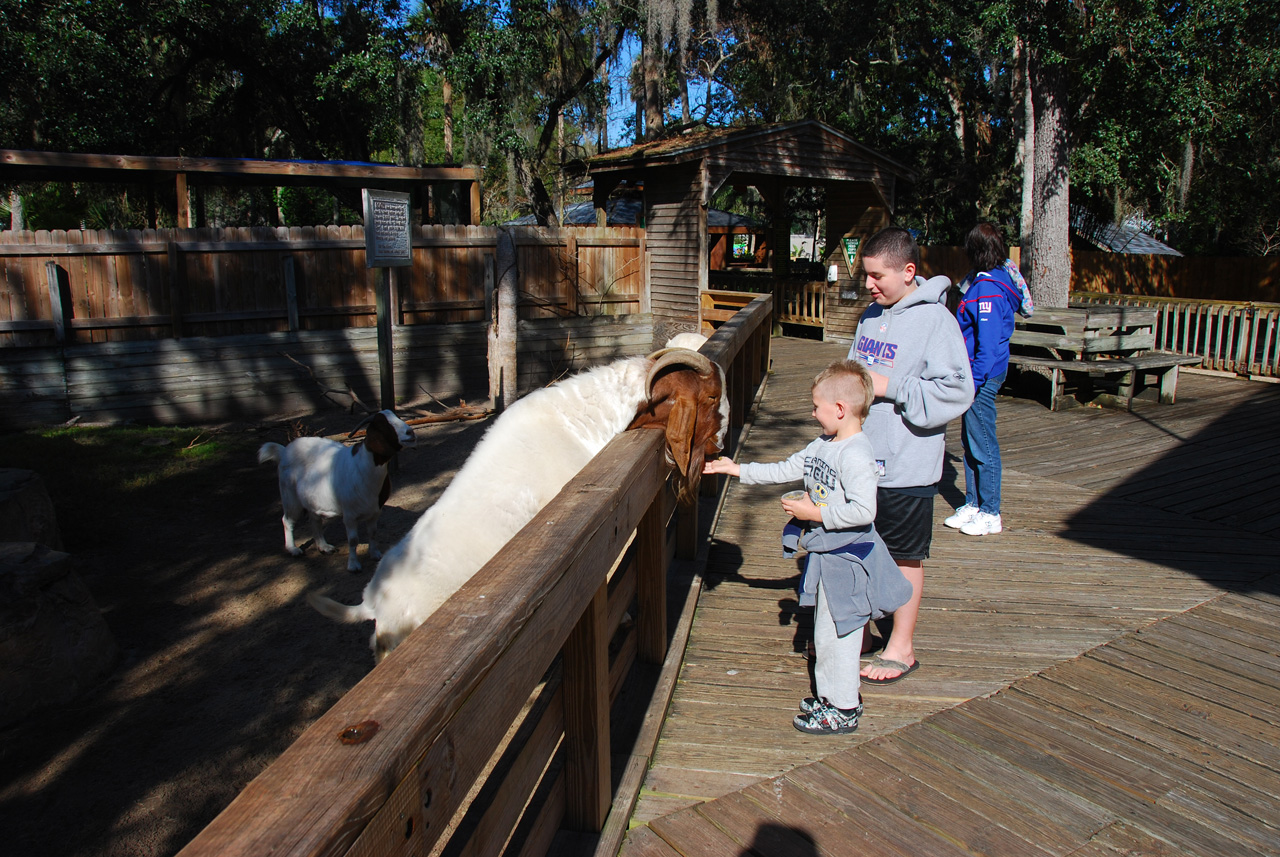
(690, 833)
(878, 781)
(586, 689)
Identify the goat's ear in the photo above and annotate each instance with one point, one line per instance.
(381, 440)
(682, 440)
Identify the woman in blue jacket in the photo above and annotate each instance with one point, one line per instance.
(985, 314)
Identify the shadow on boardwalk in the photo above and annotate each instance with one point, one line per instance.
(1101, 678)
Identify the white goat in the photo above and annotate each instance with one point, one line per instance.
(323, 479)
(530, 453)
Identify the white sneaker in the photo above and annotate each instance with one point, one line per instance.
(983, 524)
(963, 515)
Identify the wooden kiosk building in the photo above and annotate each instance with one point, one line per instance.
(682, 174)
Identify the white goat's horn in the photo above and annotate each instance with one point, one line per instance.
(676, 357)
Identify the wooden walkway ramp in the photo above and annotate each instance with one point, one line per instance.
(1102, 678)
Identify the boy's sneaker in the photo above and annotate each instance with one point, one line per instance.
(983, 524)
(963, 515)
(826, 719)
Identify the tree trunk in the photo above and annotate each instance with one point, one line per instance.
(652, 93)
(17, 219)
(544, 208)
(560, 163)
(603, 120)
(446, 95)
(685, 115)
(1027, 155)
(1184, 180)
(1050, 275)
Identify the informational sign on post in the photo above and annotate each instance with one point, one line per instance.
(387, 245)
(386, 229)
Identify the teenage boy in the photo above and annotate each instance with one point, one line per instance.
(920, 369)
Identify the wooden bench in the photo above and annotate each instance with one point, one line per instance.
(1089, 345)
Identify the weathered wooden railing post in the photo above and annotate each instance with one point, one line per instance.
(651, 583)
(586, 717)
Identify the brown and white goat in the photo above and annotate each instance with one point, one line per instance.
(322, 479)
(530, 453)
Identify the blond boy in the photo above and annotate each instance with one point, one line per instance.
(849, 576)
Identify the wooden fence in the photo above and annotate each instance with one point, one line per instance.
(207, 325)
(1207, 278)
(488, 730)
(1234, 337)
(96, 286)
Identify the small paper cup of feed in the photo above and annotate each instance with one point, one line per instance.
(793, 495)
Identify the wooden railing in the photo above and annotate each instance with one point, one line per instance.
(801, 302)
(1235, 337)
(489, 727)
(795, 300)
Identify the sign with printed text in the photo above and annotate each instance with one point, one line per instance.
(386, 229)
(850, 247)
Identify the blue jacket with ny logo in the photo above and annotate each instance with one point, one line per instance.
(986, 320)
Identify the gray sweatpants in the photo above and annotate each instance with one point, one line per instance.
(837, 660)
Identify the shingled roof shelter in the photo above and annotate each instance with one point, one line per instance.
(681, 175)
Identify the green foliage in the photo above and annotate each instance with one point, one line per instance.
(1173, 106)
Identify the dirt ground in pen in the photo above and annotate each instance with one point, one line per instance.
(222, 663)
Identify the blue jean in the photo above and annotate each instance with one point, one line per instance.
(981, 449)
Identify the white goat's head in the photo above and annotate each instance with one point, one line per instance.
(685, 398)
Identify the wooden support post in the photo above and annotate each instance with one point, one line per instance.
(184, 201)
(57, 307)
(502, 325)
(393, 295)
(687, 531)
(651, 583)
(475, 203)
(177, 281)
(586, 717)
(291, 294)
(386, 368)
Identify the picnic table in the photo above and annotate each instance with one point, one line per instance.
(1104, 353)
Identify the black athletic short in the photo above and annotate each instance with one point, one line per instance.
(905, 522)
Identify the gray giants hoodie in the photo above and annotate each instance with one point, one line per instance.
(917, 344)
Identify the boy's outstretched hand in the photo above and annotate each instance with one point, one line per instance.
(722, 465)
(803, 509)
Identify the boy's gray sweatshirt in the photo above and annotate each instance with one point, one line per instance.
(917, 344)
(840, 476)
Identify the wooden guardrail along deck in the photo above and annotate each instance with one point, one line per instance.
(489, 729)
(1101, 678)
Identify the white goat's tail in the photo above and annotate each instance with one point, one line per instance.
(269, 452)
(339, 612)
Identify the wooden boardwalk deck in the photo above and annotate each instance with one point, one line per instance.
(1101, 678)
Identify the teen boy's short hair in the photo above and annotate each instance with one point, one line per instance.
(985, 247)
(894, 246)
(847, 381)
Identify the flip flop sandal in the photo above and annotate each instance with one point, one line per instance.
(888, 663)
